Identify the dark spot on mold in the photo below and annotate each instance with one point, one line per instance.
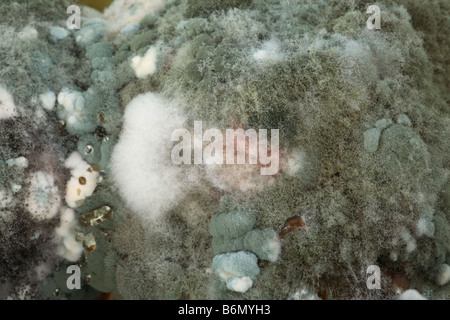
(262, 263)
(101, 117)
(100, 131)
(292, 224)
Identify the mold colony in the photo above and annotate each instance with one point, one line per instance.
(363, 132)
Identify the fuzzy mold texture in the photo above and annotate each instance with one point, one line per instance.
(235, 149)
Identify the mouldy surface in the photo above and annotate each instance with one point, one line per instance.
(87, 178)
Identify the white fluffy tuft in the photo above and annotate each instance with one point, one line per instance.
(240, 284)
(425, 227)
(141, 162)
(73, 103)
(28, 33)
(443, 274)
(48, 100)
(270, 52)
(83, 181)
(409, 241)
(411, 294)
(146, 65)
(7, 106)
(69, 248)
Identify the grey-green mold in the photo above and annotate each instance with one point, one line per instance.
(204, 8)
(232, 224)
(328, 81)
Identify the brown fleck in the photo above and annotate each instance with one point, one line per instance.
(82, 180)
(398, 280)
(325, 293)
(105, 296)
(91, 248)
(101, 117)
(78, 191)
(292, 224)
(262, 263)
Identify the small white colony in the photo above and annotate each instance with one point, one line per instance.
(20, 162)
(43, 200)
(425, 227)
(28, 33)
(42, 270)
(83, 181)
(58, 33)
(409, 240)
(7, 106)
(270, 52)
(294, 162)
(237, 269)
(146, 65)
(411, 294)
(304, 294)
(73, 103)
(443, 274)
(69, 248)
(48, 100)
(239, 284)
